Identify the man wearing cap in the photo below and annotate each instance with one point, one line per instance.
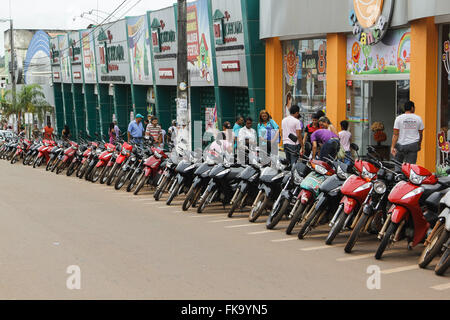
(136, 130)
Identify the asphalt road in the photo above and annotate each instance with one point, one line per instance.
(131, 247)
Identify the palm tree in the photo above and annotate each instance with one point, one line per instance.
(30, 99)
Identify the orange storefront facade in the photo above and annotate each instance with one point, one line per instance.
(375, 61)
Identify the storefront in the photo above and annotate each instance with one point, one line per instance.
(56, 81)
(375, 61)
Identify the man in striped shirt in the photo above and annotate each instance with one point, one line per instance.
(154, 130)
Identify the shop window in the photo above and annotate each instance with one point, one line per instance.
(304, 76)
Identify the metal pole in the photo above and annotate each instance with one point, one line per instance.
(182, 72)
(13, 61)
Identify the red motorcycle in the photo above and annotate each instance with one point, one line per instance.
(152, 169)
(69, 154)
(44, 152)
(113, 171)
(355, 191)
(22, 148)
(87, 154)
(102, 162)
(406, 215)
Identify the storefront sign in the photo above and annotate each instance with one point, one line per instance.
(166, 73)
(162, 38)
(55, 60)
(75, 56)
(139, 46)
(55, 75)
(394, 58)
(231, 66)
(89, 66)
(370, 19)
(112, 55)
(446, 56)
(228, 25)
(77, 75)
(63, 42)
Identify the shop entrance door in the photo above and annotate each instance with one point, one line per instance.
(374, 101)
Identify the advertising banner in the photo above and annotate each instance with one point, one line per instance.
(55, 59)
(199, 44)
(391, 55)
(112, 53)
(139, 46)
(63, 42)
(88, 47)
(75, 56)
(164, 45)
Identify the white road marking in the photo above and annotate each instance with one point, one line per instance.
(442, 287)
(285, 239)
(226, 220)
(400, 269)
(241, 226)
(166, 207)
(203, 216)
(323, 247)
(143, 199)
(262, 232)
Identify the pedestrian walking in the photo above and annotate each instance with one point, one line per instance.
(292, 135)
(408, 135)
(326, 140)
(136, 130)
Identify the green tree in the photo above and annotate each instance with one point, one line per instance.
(30, 99)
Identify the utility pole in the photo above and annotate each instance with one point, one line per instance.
(182, 73)
(13, 69)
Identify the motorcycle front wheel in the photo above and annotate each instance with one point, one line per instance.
(388, 238)
(140, 183)
(443, 264)
(296, 218)
(434, 247)
(258, 209)
(337, 227)
(276, 214)
(356, 232)
(236, 203)
(173, 194)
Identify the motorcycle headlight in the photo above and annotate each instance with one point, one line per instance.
(158, 155)
(413, 193)
(379, 187)
(98, 151)
(415, 178)
(366, 175)
(320, 170)
(341, 174)
(224, 172)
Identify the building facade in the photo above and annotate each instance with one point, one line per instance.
(360, 61)
(114, 71)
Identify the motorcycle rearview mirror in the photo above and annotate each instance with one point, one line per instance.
(354, 147)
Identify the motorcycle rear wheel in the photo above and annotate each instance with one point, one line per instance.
(434, 247)
(387, 239)
(14, 159)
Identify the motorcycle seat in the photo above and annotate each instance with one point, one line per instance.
(445, 181)
(430, 190)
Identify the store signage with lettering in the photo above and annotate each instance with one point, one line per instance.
(109, 53)
(370, 19)
(225, 31)
(166, 73)
(231, 66)
(77, 75)
(162, 39)
(56, 75)
(74, 50)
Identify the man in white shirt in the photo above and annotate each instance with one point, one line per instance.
(246, 138)
(408, 135)
(292, 128)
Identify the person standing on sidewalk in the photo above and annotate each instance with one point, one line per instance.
(345, 138)
(154, 129)
(292, 135)
(136, 130)
(408, 135)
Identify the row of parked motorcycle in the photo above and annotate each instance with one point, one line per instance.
(390, 200)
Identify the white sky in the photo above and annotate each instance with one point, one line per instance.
(59, 14)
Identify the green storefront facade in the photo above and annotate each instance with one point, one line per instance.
(112, 72)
